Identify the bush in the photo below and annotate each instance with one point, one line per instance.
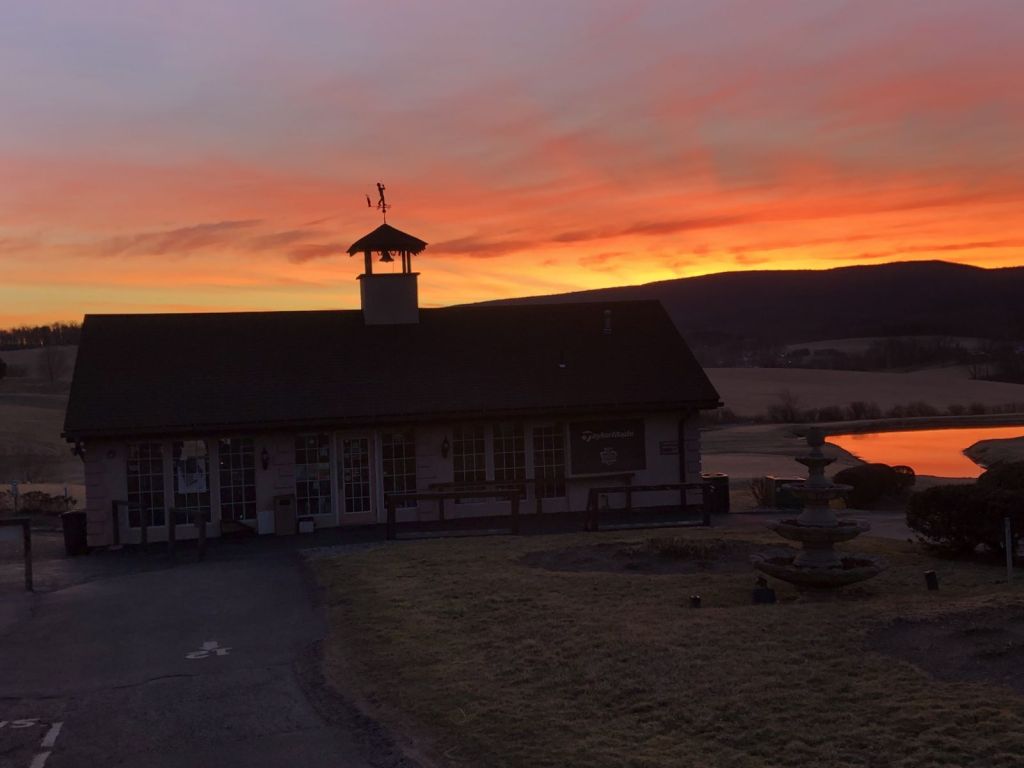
(948, 517)
(955, 519)
(957, 410)
(1004, 477)
(3, 368)
(870, 483)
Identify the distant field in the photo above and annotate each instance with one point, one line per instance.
(861, 344)
(32, 416)
(750, 391)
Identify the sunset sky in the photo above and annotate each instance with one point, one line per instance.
(216, 154)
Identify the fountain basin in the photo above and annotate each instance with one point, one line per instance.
(850, 570)
(843, 530)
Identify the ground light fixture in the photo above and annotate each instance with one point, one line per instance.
(265, 458)
(695, 601)
(762, 593)
(445, 447)
(931, 580)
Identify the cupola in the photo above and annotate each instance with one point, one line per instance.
(388, 298)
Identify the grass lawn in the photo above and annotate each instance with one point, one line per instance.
(478, 659)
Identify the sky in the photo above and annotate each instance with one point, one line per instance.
(215, 155)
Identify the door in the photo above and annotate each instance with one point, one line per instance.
(354, 478)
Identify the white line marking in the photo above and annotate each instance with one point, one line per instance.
(210, 646)
(51, 736)
(39, 760)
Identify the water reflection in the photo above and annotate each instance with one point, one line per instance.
(929, 451)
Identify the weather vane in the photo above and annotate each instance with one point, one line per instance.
(382, 205)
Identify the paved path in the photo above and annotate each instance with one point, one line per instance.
(200, 664)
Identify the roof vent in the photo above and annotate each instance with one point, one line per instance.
(607, 330)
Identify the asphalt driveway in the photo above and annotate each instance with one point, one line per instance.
(199, 664)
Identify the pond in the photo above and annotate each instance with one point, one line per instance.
(936, 452)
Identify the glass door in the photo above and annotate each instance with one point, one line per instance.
(354, 476)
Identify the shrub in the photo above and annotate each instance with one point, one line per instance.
(955, 519)
(1004, 477)
(977, 409)
(870, 483)
(948, 517)
(957, 410)
(3, 368)
(905, 477)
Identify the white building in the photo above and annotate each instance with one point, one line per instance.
(230, 414)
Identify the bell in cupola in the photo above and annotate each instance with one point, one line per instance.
(390, 298)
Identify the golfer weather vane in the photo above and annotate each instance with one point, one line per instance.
(382, 205)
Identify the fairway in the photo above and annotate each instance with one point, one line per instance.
(751, 391)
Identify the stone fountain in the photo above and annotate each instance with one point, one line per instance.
(818, 529)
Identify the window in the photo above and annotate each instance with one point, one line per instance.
(313, 474)
(237, 459)
(509, 453)
(145, 484)
(355, 474)
(398, 451)
(469, 459)
(191, 482)
(549, 460)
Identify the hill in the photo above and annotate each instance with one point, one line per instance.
(766, 308)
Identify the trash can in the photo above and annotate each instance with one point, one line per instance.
(75, 541)
(716, 493)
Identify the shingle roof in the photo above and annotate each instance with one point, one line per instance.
(181, 373)
(387, 238)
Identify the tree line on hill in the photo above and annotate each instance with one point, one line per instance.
(53, 363)
(751, 318)
(30, 336)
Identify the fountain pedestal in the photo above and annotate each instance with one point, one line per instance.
(818, 530)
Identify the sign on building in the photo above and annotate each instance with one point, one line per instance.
(607, 446)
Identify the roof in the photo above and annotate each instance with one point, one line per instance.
(387, 238)
(202, 373)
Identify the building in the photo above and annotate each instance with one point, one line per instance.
(324, 412)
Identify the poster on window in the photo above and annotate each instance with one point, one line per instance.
(191, 475)
(607, 446)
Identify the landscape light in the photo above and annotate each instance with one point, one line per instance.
(445, 447)
(265, 458)
(932, 580)
(695, 601)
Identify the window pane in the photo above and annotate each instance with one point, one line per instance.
(549, 460)
(312, 474)
(145, 484)
(399, 464)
